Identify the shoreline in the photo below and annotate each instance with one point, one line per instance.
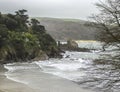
(47, 83)
(7, 85)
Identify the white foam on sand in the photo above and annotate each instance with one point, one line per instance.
(33, 74)
(15, 79)
(13, 71)
(38, 80)
(68, 68)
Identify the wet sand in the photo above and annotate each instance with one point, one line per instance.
(7, 85)
(46, 83)
(11, 86)
(1, 91)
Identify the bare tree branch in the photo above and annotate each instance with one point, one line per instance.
(108, 22)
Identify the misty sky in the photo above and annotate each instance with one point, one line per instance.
(52, 8)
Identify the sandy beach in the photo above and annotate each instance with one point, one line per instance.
(46, 83)
(1, 91)
(7, 85)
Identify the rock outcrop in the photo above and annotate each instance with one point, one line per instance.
(71, 46)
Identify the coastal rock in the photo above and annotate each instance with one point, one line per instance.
(41, 56)
(72, 44)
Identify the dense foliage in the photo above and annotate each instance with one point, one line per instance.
(22, 38)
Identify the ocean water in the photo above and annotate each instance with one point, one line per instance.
(78, 67)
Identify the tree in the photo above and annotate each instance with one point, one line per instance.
(35, 22)
(22, 18)
(47, 43)
(18, 41)
(0, 15)
(108, 22)
(36, 27)
(3, 35)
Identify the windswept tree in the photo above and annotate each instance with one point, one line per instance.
(108, 22)
(37, 27)
(22, 19)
